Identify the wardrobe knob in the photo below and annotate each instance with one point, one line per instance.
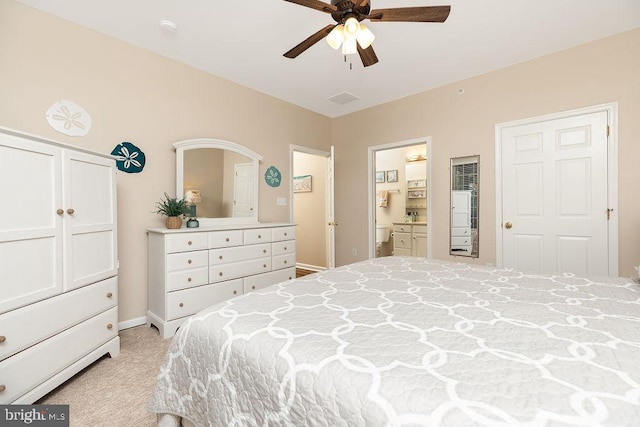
(109, 294)
(2, 388)
(60, 212)
(2, 338)
(71, 211)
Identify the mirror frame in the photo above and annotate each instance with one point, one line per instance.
(475, 158)
(192, 144)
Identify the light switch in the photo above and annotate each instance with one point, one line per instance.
(281, 201)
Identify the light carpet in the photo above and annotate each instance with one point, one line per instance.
(114, 392)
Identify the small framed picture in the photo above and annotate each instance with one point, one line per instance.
(392, 176)
(302, 184)
(379, 176)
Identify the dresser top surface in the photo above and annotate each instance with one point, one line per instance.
(162, 230)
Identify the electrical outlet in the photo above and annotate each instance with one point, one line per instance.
(281, 201)
(354, 251)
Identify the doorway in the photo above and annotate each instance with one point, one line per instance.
(556, 193)
(312, 207)
(407, 163)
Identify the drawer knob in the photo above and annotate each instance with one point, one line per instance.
(188, 279)
(264, 251)
(226, 240)
(285, 261)
(259, 236)
(264, 265)
(3, 338)
(289, 277)
(181, 305)
(285, 248)
(253, 287)
(220, 274)
(189, 262)
(109, 326)
(235, 292)
(285, 234)
(220, 257)
(189, 243)
(2, 388)
(109, 294)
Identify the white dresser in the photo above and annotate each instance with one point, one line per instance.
(410, 239)
(191, 269)
(58, 264)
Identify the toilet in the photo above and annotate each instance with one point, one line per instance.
(382, 237)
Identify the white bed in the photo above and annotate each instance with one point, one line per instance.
(411, 341)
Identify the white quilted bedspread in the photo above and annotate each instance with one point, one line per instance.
(412, 342)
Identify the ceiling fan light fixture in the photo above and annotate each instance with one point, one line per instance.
(349, 46)
(351, 28)
(336, 36)
(365, 37)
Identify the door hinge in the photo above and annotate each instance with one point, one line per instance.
(608, 130)
(609, 213)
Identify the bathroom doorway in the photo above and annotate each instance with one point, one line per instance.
(398, 194)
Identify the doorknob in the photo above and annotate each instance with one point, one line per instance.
(508, 225)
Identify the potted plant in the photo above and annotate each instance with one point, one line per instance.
(173, 208)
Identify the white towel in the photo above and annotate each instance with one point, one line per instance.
(383, 198)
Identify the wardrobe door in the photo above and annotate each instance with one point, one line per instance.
(30, 223)
(90, 212)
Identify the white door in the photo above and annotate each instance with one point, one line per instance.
(30, 227)
(90, 214)
(461, 208)
(243, 190)
(554, 195)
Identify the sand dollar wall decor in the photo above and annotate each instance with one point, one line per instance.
(69, 118)
(273, 177)
(129, 158)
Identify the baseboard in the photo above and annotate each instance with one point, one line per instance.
(310, 267)
(132, 323)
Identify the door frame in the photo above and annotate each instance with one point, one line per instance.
(329, 201)
(612, 172)
(371, 155)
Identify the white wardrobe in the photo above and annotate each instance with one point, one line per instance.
(58, 264)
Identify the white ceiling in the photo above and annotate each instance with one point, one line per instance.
(243, 41)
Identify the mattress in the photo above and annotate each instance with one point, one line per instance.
(401, 341)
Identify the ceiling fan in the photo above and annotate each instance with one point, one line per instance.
(354, 36)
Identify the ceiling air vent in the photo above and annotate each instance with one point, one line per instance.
(343, 98)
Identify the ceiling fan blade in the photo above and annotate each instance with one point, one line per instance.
(368, 56)
(411, 14)
(309, 41)
(360, 3)
(316, 4)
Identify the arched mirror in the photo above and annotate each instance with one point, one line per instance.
(465, 188)
(219, 181)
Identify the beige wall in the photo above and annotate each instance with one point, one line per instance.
(603, 71)
(309, 212)
(137, 96)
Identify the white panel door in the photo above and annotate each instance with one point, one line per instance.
(554, 193)
(461, 208)
(331, 215)
(30, 227)
(243, 190)
(90, 213)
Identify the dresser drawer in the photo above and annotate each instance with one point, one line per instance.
(190, 301)
(29, 368)
(460, 231)
(222, 272)
(284, 233)
(283, 261)
(260, 281)
(402, 240)
(187, 278)
(286, 247)
(29, 325)
(186, 242)
(461, 241)
(225, 239)
(402, 228)
(239, 253)
(187, 260)
(258, 235)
